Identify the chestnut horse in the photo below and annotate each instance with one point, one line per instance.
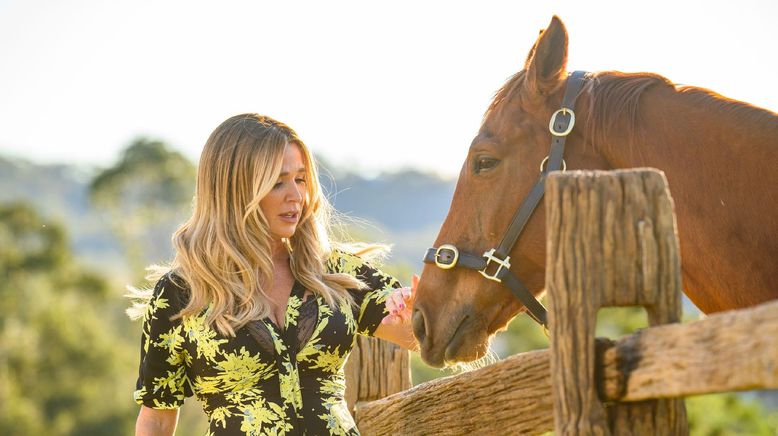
(719, 156)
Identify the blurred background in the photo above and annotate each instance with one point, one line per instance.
(104, 107)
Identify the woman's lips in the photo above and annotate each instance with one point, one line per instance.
(290, 218)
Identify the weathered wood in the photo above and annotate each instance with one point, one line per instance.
(611, 242)
(511, 396)
(729, 351)
(375, 369)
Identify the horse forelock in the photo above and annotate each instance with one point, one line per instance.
(506, 93)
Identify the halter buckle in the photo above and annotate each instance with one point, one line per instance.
(443, 251)
(503, 263)
(570, 124)
(545, 160)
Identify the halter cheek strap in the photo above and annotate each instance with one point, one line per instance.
(447, 256)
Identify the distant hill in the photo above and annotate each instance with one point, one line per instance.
(404, 208)
(59, 193)
(401, 201)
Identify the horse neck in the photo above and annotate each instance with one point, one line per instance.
(719, 157)
(688, 131)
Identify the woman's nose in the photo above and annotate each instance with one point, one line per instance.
(295, 193)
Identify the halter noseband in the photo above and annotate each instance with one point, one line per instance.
(447, 256)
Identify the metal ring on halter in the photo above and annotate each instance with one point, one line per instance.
(503, 263)
(453, 263)
(569, 125)
(564, 164)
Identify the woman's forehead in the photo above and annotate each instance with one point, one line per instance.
(293, 160)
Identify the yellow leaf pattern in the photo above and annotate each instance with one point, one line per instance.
(242, 387)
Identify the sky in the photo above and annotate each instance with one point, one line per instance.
(372, 86)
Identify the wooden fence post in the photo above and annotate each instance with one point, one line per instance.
(611, 242)
(374, 370)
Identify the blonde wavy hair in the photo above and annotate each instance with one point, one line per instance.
(223, 252)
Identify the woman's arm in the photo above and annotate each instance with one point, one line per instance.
(155, 422)
(396, 327)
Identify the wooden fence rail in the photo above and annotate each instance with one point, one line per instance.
(730, 351)
(611, 242)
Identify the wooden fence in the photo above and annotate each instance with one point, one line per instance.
(612, 241)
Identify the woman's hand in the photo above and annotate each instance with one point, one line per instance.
(399, 304)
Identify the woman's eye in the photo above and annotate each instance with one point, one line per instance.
(278, 185)
(300, 180)
(484, 163)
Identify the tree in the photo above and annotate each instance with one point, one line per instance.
(58, 355)
(145, 194)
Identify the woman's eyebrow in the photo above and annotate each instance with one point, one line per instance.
(286, 173)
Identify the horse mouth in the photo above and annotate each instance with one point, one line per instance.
(452, 350)
(466, 344)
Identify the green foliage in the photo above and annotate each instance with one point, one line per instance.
(146, 194)
(729, 414)
(147, 175)
(59, 359)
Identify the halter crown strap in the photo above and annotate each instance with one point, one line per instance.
(559, 124)
(448, 256)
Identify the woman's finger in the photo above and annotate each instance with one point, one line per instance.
(399, 299)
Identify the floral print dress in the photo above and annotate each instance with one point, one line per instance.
(266, 380)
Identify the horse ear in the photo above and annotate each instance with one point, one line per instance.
(546, 63)
(532, 50)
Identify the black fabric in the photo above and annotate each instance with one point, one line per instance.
(267, 379)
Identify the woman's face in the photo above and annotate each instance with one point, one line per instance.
(283, 205)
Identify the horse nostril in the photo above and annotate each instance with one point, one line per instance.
(418, 325)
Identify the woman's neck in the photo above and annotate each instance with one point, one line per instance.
(279, 252)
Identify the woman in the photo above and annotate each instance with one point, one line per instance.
(258, 313)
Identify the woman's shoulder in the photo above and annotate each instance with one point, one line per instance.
(173, 288)
(341, 261)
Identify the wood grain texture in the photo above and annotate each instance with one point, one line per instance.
(729, 351)
(611, 241)
(508, 397)
(375, 369)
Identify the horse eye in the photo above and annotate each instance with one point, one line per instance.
(484, 163)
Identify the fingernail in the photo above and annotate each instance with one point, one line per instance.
(402, 306)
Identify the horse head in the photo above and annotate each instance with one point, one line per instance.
(457, 310)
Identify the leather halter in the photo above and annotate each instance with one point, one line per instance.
(447, 256)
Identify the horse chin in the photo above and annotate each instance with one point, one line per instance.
(469, 342)
(505, 314)
(467, 349)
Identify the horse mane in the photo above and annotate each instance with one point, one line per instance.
(737, 110)
(614, 101)
(611, 92)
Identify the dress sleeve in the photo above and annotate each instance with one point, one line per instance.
(162, 380)
(370, 303)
